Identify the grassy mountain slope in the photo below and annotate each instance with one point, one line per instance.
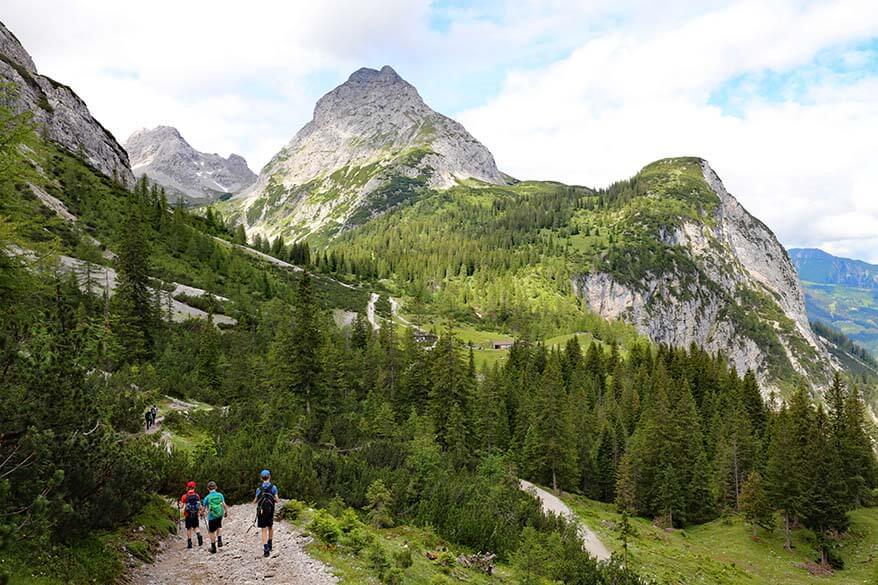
(523, 259)
(189, 250)
(723, 552)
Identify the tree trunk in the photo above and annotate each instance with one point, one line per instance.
(786, 529)
(554, 481)
(737, 489)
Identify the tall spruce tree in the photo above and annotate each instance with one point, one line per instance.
(133, 300)
(550, 446)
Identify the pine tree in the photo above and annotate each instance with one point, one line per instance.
(755, 504)
(240, 235)
(626, 497)
(826, 509)
(736, 453)
(133, 301)
(306, 343)
(456, 437)
(788, 465)
(859, 452)
(552, 445)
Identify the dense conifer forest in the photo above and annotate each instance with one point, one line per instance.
(670, 434)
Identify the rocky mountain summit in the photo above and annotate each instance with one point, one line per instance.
(372, 144)
(731, 287)
(57, 109)
(164, 156)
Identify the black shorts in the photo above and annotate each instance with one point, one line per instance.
(192, 521)
(215, 524)
(266, 522)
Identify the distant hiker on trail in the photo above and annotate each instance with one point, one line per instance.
(214, 503)
(265, 500)
(190, 503)
(148, 418)
(154, 412)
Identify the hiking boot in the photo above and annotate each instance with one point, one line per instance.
(213, 548)
(200, 540)
(188, 543)
(219, 541)
(270, 547)
(265, 550)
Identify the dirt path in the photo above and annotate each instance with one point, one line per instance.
(394, 311)
(552, 503)
(240, 561)
(370, 311)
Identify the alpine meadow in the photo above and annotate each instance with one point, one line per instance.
(382, 359)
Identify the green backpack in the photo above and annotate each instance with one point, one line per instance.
(215, 506)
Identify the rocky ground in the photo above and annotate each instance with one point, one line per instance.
(240, 561)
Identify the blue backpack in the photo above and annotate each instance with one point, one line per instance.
(193, 503)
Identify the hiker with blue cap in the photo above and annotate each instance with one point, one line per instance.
(265, 500)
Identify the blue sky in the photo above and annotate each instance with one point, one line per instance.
(780, 95)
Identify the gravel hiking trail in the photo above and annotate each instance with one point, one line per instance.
(551, 503)
(239, 561)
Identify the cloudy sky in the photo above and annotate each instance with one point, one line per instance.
(780, 95)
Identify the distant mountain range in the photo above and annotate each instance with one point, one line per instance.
(840, 292)
(388, 192)
(390, 189)
(815, 265)
(164, 156)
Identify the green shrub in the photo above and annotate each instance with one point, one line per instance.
(349, 521)
(292, 510)
(393, 576)
(324, 527)
(379, 497)
(140, 549)
(356, 540)
(378, 561)
(402, 558)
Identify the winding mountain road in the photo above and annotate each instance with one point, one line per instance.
(551, 503)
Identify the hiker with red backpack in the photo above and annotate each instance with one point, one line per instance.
(265, 500)
(190, 504)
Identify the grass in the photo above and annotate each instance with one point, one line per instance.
(723, 551)
(357, 568)
(98, 558)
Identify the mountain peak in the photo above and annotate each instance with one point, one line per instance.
(366, 75)
(163, 155)
(372, 144)
(11, 48)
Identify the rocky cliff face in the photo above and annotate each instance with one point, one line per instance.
(733, 288)
(167, 159)
(60, 111)
(372, 144)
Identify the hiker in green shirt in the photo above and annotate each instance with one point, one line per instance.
(214, 505)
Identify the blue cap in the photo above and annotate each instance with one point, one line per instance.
(265, 473)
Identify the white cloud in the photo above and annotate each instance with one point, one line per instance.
(623, 99)
(581, 91)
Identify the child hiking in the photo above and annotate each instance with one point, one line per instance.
(265, 500)
(190, 504)
(214, 504)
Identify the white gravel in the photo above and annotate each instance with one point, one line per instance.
(551, 503)
(240, 561)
